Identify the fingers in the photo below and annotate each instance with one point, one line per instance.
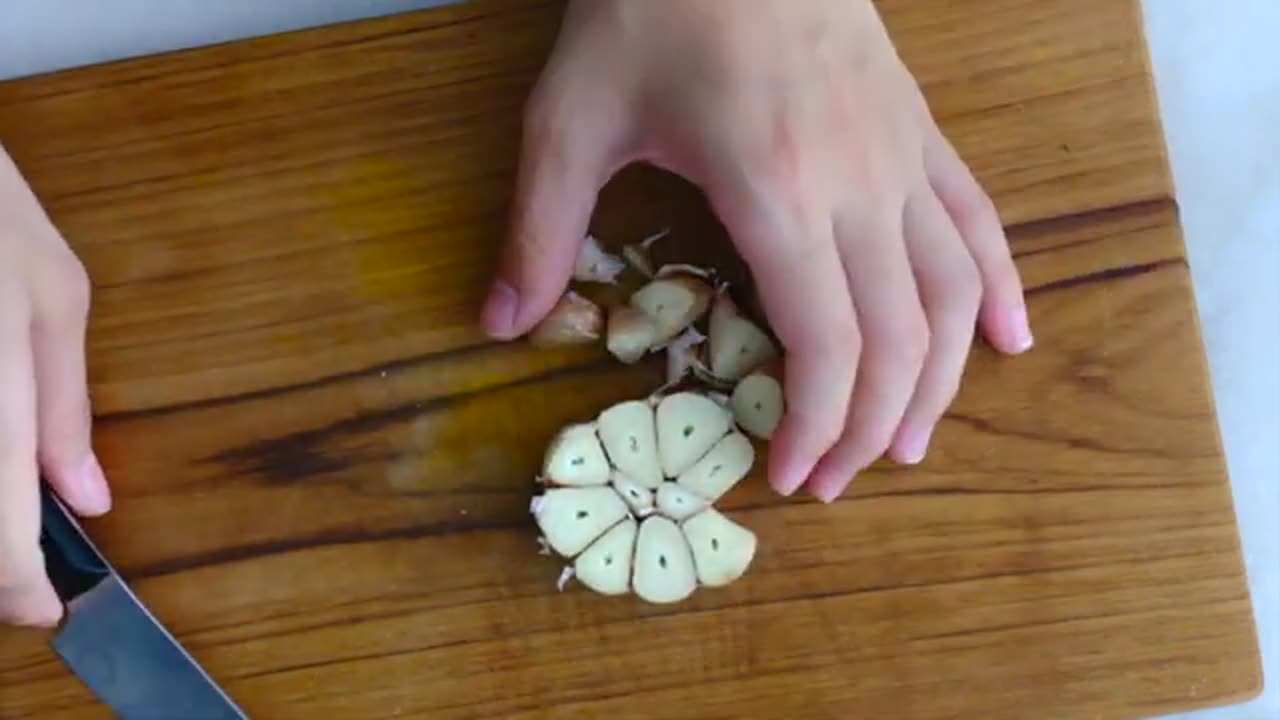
(566, 158)
(896, 338)
(1003, 315)
(950, 291)
(62, 396)
(26, 598)
(806, 297)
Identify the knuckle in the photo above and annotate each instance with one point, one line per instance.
(963, 289)
(975, 203)
(905, 343)
(66, 293)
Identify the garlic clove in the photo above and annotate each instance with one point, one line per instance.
(663, 570)
(678, 503)
(758, 404)
(722, 549)
(673, 303)
(571, 518)
(631, 333)
(721, 468)
(574, 320)
(605, 566)
(576, 457)
(689, 424)
(629, 436)
(595, 265)
(737, 346)
(637, 497)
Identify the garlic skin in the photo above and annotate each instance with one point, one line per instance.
(595, 265)
(631, 334)
(574, 320)
(638, 257)
(682, 356)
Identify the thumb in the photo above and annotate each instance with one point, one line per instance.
(58, 345)
(563, 165)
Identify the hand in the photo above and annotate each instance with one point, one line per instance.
(874, 248)
(44, 401)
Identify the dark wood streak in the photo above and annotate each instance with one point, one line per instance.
(990, 427)
(408, 363)
(1074, 490)
(275, 458)
(1116, 273)
(1066, 225)
(254, 551)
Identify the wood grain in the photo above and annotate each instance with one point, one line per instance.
(323, 469)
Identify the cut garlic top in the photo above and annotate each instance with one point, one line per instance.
(621, 534)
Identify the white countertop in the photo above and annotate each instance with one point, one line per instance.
(1218, 75)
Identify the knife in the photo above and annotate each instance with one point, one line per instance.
(112, 642)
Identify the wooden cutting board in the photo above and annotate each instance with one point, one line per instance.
(323, 469)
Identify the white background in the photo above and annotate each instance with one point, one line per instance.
(1218, 75)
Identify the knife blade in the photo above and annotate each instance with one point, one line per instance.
(112, 642)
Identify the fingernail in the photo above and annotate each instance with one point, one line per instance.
(913, 444)
(1019, 328)
(788, 476)
(828, 494)
(95, 496)
(499, 314)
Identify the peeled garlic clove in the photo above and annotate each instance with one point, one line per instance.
(758, 404)
(629, 435)
(572, 517)
(737, 346)
(631, 333)
(595, 265)
(678, 503)
(663, 570)
(722, 549)
(721, 468)
(637, 497)
(605, 566)
(673, 303)
(576, 457)
(574, 320)
(689, 424)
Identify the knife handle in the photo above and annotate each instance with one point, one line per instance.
(73, 565)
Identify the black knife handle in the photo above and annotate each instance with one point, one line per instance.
(73, 565)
